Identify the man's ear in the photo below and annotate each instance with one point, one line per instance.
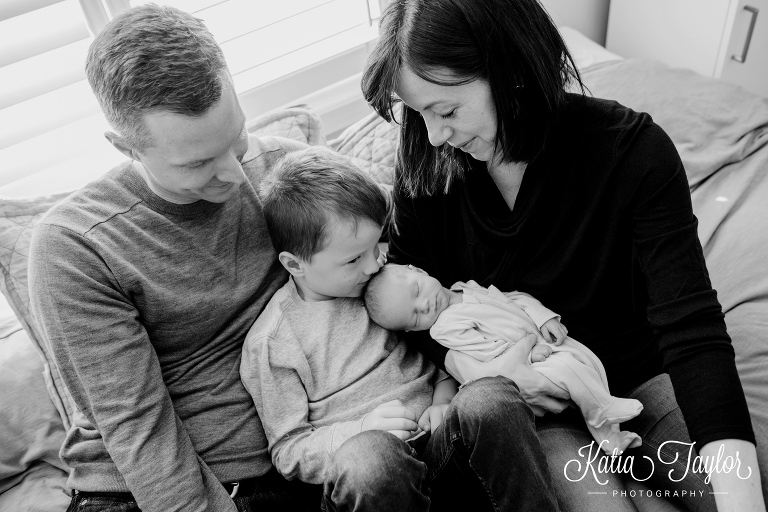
(292, 263)
(121, 146)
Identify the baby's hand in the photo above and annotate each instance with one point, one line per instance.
(553, 331)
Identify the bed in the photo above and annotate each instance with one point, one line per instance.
(720, 130)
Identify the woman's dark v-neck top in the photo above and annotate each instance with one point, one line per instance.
(603, 233)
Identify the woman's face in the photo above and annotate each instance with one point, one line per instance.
(461, 115)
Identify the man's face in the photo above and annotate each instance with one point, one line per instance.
(341, 269)
(197, 158)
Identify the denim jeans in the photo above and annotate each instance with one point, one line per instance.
(276, 495)
(485, 455)
(582, 486)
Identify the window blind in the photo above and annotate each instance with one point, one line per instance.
(49, 120)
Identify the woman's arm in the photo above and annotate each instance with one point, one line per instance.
(688, 319)
(538, 391)
(683, 308)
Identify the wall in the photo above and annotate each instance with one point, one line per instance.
(590, 17)
(341, 103)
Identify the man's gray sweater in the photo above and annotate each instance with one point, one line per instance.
(145, 306)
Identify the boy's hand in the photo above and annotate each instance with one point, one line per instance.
(432, 417)
(392, 417)
(553, 331)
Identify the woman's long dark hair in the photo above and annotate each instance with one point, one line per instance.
(511, 44)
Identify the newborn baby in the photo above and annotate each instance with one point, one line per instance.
(484, 322)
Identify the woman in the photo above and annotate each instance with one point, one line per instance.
(506, 178)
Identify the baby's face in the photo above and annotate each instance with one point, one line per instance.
(411, 300)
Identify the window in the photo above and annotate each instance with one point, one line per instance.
(277, 51)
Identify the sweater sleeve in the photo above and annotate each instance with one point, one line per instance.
(406, 246)
(112, 372)
(683, 308)
(274, 372)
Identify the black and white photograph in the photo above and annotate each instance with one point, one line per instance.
(383, 255)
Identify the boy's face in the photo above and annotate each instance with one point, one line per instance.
(411, 300)
(344, 266)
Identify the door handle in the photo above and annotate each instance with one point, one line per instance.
(753, 19)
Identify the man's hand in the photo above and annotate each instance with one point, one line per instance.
(553, 331)
(432, 417)
(538, 391)
(392, 417)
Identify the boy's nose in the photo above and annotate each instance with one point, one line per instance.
(372, 265)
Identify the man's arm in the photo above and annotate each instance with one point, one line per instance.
(113, 374)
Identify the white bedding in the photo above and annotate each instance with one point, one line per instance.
(585, 52)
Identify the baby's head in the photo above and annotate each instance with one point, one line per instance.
(324, 216)
(405, 298)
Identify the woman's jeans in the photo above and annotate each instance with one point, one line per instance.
(485, 455)
(580, 485)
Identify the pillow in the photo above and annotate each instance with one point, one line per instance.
(42, 488)
(31, 430)
(371, 144)
(19, 216)
(298, 122)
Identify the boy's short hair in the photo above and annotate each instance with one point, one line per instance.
(371, 294)
(309, 188)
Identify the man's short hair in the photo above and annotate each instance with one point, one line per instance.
(154, 59)
(311, 188)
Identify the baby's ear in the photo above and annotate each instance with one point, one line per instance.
(292, 263)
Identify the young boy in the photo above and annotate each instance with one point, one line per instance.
(318, 369)
(338, 395)
(484, 323)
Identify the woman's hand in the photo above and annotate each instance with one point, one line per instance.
(538, 391)
(392, 417)
(540, 352)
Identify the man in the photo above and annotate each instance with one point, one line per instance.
(146, 281)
